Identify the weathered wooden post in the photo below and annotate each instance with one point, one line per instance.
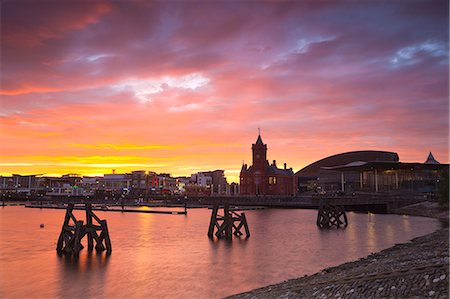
(329, 215)
(105, 234)
(89, 223)
(226, 224)
(71, 235)
(66, 234)
(213, 221)
(243, 223)
(228, 220)
(77, 238)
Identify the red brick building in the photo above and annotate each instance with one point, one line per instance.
(263, 178)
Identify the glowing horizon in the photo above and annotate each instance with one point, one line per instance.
(181, 87)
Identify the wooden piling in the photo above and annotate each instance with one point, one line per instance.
(77, 238)
(89, 224)
(107, 240)
(329, 216)
(212, 222)
(244, 221)
(226, 224)
(71, 235)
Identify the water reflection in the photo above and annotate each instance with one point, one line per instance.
(371, 235)
(406, 223)
(171, 256)
(85, 262)
(86, 273)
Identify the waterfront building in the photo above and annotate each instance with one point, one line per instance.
(72, 179)
(24, 184)
(167, 184)
(115, 183)
(144, 182)
(214, 181)
(262, 178)
(315, 177)
(67, 190)
(234, 189)
(181, 183)
(196, 190)
(369, 171)
(204, 180)
(90, 184)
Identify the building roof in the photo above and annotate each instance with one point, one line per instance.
(259, 140)
(431, 159)
(272, 169)
(382, 165)
(313, 169)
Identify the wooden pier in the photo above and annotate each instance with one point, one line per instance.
(69, 241)
(330, 215)
(226, 224)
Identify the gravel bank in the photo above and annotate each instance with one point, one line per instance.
(418, 269)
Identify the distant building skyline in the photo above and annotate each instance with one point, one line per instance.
(171, 86)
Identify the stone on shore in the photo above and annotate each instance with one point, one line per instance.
(418, 269)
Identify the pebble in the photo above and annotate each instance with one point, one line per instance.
(413, 277)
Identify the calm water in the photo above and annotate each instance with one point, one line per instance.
(170, 256)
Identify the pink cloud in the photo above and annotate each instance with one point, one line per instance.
(137, 75)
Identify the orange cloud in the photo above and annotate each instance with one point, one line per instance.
(84, 85)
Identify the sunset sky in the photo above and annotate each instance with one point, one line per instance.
(180, 87)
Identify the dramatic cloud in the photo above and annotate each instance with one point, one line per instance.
(183, 86)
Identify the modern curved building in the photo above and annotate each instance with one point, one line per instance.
(312, 170)
(368, 171)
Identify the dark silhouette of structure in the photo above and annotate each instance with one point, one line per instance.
(330, 215)
(369, 171)
(226, 224)
(262, 178)
(69, 241)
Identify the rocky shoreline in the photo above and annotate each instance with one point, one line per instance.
(417, 269)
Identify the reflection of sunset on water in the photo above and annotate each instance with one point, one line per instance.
(172, 256)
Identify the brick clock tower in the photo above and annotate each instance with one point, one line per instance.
(263, 178)
(259, 150)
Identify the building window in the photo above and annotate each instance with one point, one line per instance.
(272, 180)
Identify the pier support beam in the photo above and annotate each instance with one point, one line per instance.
(329, 216)
(226, 224)
(69, 241)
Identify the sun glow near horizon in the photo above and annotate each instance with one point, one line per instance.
(87, 88)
